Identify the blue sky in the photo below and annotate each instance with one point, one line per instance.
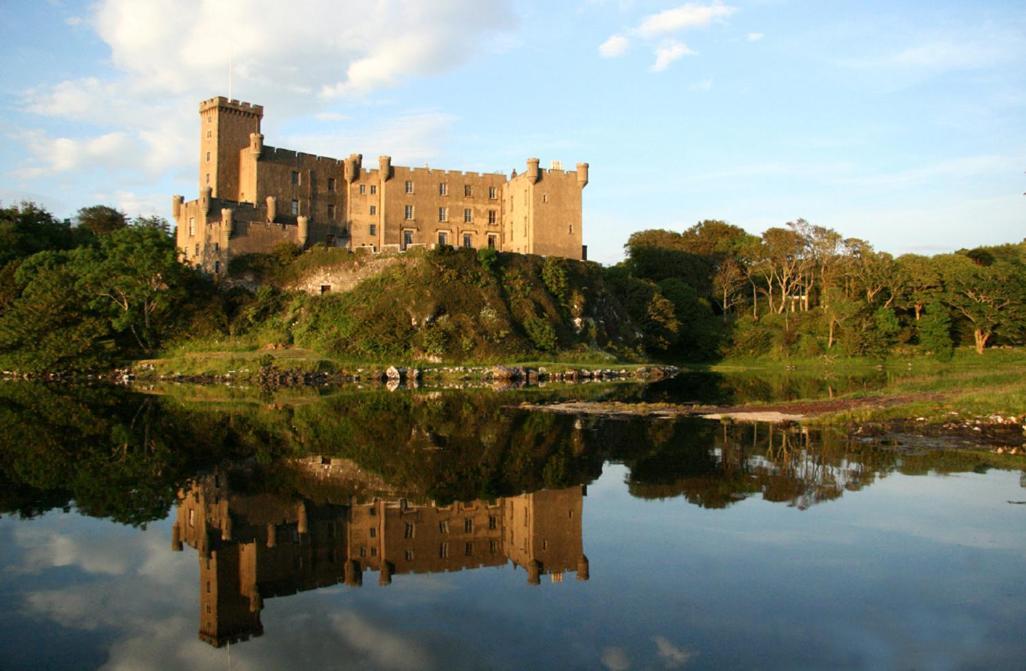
(903, 123)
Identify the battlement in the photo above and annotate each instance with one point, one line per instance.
(437, 172)
(220, 102)
(277, 153)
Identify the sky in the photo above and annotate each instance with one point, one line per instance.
(902, 123)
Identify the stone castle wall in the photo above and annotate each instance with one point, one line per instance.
(254, 197)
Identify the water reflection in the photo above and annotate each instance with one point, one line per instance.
(708, 544)
(259, 545)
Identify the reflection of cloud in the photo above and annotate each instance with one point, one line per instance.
(384, 649)
(45, 549)
(674, 656)
(615, 659)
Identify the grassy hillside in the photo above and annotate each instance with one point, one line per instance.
(431, 306)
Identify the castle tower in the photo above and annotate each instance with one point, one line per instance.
(226, 127)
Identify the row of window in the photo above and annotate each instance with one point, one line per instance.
(443, 187)
(468, 190)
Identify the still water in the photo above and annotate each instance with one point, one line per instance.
(422, 530)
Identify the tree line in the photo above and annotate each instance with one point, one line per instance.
(806, 290)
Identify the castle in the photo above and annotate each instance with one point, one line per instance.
(257, 546)
(253, 197)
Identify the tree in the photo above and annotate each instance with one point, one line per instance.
(27, 229)
(934, 329)
(991, 298)
(919, 282)
(101, 219)
(135, 279)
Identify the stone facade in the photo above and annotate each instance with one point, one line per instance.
(253, 197)
(257, 546)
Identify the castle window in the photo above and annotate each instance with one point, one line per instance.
(217, 267)
(325, 288)
(492, 521)
(409, 555)
(469, 549)
(217, 246)
(570, 229)
(443, 551)
(491, 242)
(443, 214)
(443, 238)
(197, 249)
(374, 552)
(363, 189)
(208, 134)
(373, 210)
(443, 189)
(408, 532)
(407, 238)
(408, 214)
(373, 532)
(331, 184)
(468, 215)
(493, 193)
(208, 157)
(493, 546)
(468, 525)
(491, 216)
(208, 178)
(545, 197)
(374, 189)
(192, 226)
(443, 527)
(468, 191)
(331, 211)
(295, 207)
(467, 240)
(409, 186)
(295, 177)
(373, 229)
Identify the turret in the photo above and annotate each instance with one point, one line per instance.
(534, 570)
(583, 566)
(304, 230)
(227, 217)
(385, 575)
(272, 535)
(205, 200)
(256, 143)
(385, 165)
(272, 209)
(533, 172)
(176, 538)
(353, 573)
(176, 206)
(352, 167)
(582, 174)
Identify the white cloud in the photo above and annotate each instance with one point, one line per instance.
(673, 656)
(658, 29)
(61, 154)
(170, 54)
(615, 46)
(690, 15)
(668, 53)
(754, 37)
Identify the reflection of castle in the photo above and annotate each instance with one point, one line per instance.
(256, 546)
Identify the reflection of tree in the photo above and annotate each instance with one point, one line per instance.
(123, 455)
